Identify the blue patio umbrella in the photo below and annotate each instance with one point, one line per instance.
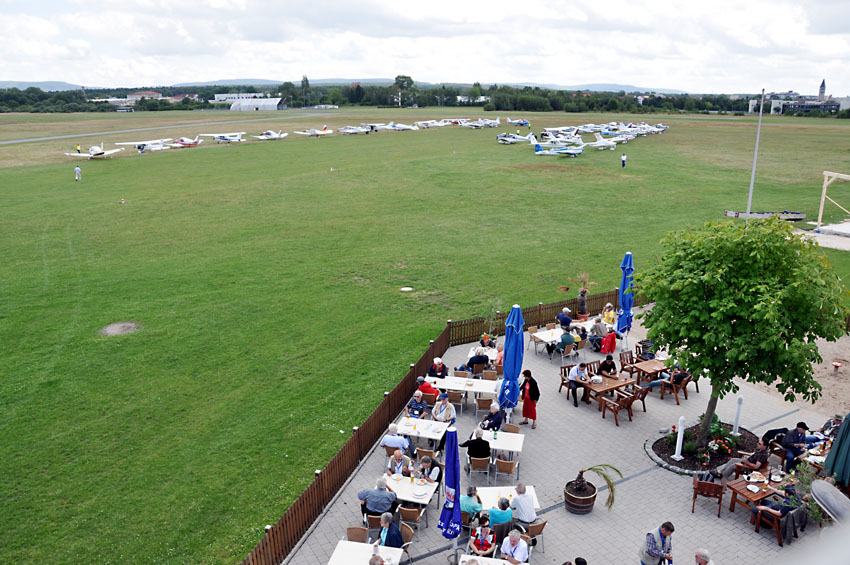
(838, 460)
(450, 522)
(514, 350)
(627, 299)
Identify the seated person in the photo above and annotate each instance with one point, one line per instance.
(471, 503)
(609, 316)
(581, 333)
(399, 464)
(476, 446)
(564, 344)
(481, 541)
(503, 514)
(392, 439)
(443, 411)
(480, 358)
(376, 501)
(829, 429)
(782, 506)
(678, 376)
(514, 549)
(493, 420)
(417, 407)
(438, 369)
(754, 462)
(390, 534)
(487, 341)
(430, 470)
(564, 318)
(427, 388)
(608, 368)
(794, 443)
(578, 373)
(597, 332)
(500, 355)
(523, 506)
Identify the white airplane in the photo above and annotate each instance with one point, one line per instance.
(601, 143)
(96, 151)
(377, 127)
(234, 137)
(424, 124)
(316, 132)
(511, 138)
(564, 152)
(269, 134)
(187, 142)
(519, 122)
(150, 145)
(353, 130)
(403, 127)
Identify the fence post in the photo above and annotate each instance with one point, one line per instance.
(539, 314)
(431, 349)
(317, 478)
(359, 442)
(386, 406)
(616, 300)
(449, 325)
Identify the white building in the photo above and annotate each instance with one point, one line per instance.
(258, 105)
(230, 96)
(144, 94)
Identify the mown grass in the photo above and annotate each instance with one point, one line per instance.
(267, 290)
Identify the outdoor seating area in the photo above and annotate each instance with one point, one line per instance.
(568, 439)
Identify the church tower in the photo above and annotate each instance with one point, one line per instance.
(822, 91)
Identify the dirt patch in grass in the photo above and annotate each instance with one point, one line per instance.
(666, 449)
(120, 328)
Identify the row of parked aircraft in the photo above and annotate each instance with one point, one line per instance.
(566, 141)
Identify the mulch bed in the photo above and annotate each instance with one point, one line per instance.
(666, 451)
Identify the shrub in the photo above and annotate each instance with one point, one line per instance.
(689, 447)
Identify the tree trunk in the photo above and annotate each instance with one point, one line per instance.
(706, 420)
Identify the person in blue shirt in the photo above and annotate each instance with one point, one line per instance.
(390, 534)
(501, 515)
(493, 420)
(564, 318)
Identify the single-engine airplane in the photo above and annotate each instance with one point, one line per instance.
(96, 151)
(234, 137)
(269, 134)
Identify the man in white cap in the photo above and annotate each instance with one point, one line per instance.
(564, 318)
(438, 369)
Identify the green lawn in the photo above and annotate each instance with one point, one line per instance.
(267, 290)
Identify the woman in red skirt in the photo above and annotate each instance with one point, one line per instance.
(530, 394)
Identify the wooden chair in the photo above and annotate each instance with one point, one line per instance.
(456, 397)
(412, 516)
(627, 364)
(374, 523)
(479, 465)
(621, 401)
(551, 326)
(490, 375)
(565, 373)
(500, 370)
(482, 405)
(407, 538)
(357, 533)
(465, 524)
(675, 388)
(640, 393)
(775, 522)
(510, 428)
(592, 367)
(709, 490)
(535, 532)
(741, 468)
(506, 468)
(430, 398)
(463, 374)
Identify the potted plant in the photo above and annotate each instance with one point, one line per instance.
(583, 279)
(580, 494)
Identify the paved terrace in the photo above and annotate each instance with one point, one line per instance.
(568, 439)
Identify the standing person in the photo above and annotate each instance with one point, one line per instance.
(530, 394)
(78, 173)
(78, 148)
(623, 160)
(657, 546)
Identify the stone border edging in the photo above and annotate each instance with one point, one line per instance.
(647, 447)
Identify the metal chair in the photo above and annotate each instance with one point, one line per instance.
(407, 538)
(482, 405)
(510, 428)
(709, 490)
(506, 468)
(420, 453)
(551, 326)
(430, 398)
(412, 516)
(357, 533)
(390, 450)
(527, 539)
(462, 374)
(535, 531)
(374, 523)
(479, 465)
(456, 397)
(531, 339)
(500, 370)
(490, 375)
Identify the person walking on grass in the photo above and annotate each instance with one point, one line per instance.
(78, 173)
(623, 160)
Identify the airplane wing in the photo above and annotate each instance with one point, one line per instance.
(83, 155)
(110, 152)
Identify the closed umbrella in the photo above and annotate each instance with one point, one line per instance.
(627, 298)
(838, 460)
(450, 521)
(514, 350)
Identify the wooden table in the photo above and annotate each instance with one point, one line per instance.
(739, 489)
(352, 552)
(651, 368)
(407, 491)
(478, 386)
(485, 560)
(490, 495)
(428, 429)
(597, 390)
(505, 441)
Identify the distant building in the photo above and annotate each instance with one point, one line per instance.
(822, 91)
(178, 98)
(120, 102)
(806, 106)
(479, 100)
(258, 105)
(144, 94)
(326, 107)
(229, 96)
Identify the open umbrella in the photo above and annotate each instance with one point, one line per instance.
(509, 393)
(450, 522)
(838, 460)
(627, 299)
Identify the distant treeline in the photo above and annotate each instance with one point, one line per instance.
(491, 98)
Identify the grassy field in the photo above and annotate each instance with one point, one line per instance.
(265, 277)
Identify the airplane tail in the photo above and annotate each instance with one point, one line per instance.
(598, 136)
(533, 139)
(537, 148)
(325, 127)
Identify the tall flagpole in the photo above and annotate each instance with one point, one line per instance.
(755, 158)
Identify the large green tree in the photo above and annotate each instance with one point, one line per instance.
(743, 300)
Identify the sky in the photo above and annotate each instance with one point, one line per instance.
(700, 47)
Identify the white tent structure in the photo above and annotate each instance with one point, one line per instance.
(258, 105)
(828, 179)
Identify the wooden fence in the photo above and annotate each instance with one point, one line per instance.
(282, 537)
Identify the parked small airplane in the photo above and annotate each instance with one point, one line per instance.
(187, 142)
(316, 132)
(234, 137)
(424, 124)
(96, 151)
(150, 145)
(403, 127)
(377, 127)
(269, 134)
(353, 130)
(511, 138)
(519, 122)
(601, 143)
(563, 152)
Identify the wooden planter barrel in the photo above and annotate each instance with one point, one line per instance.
(579, 504)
